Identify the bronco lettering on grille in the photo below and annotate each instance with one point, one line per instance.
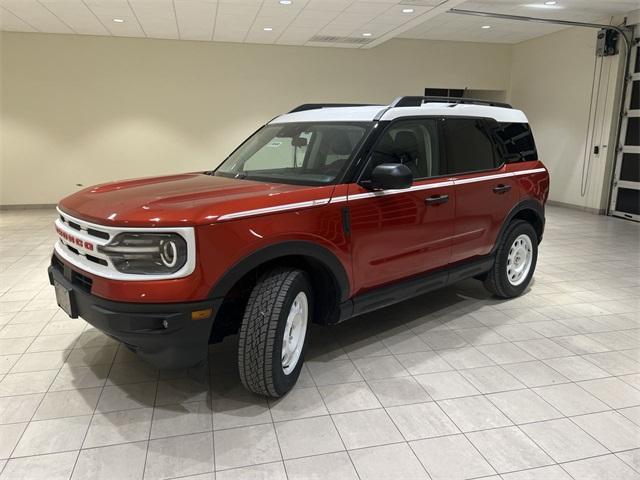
(75, 240)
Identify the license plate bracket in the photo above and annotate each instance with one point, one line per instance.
(65, 300)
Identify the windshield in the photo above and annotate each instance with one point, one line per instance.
(299, 153)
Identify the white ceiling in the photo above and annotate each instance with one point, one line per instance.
(341, 23)
(450, 27)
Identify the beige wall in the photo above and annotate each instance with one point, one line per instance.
(551, 81)
(83, 110)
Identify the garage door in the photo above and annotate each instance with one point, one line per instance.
(625, 198)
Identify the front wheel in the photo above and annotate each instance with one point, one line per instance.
(515, 261)
(274, 331)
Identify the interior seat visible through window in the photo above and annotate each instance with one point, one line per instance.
(338, 150)
(408, 151)
(413, 143)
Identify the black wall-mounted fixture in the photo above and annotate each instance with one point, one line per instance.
(607, 42)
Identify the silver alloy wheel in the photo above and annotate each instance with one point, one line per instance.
(519, 259)
(295, 332)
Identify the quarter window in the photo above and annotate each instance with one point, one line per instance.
(469, 146)
(516, 142)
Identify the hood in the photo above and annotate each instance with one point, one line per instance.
(182, 200)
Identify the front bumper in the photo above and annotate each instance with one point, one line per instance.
(162, 334)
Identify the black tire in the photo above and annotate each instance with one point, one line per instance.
(497, 281)
(262, 330)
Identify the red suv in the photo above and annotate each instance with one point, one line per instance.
(325, 213)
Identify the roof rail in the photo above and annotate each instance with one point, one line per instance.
(417, 101)
(315, 106)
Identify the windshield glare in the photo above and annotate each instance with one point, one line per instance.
(299, 153)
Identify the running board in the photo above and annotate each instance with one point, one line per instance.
(406, 289)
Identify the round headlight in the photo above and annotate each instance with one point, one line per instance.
(146, 253)
(168, 253)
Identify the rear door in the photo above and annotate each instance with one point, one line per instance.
(485, 191)
(399, 233)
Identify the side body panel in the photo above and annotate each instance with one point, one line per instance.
(396, 235)
(534, 185)
(481, 210)
(484, 200)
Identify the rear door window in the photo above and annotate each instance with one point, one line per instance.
(469, 147)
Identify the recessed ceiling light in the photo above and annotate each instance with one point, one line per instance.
(118, 20)
(268, 29)
(551, 2)
(408, 10)
(486, 27)
(367, 34)
(285, 2)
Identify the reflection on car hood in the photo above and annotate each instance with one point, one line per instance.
(185, 199)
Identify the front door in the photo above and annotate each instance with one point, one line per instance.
(399, 233)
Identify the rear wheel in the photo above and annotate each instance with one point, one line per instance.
(274, 332)
(515, 261)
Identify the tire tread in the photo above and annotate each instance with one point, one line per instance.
(494, 282)
(257, 336)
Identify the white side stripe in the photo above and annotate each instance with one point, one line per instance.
(279, 208)
(498, 175)
(448, 183)
(381, 193)
(463, 181)
(384, 193)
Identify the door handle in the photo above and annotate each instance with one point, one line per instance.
(502, 188)
(436, 199)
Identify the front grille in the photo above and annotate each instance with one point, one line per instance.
(91, 258)
(90, 231)
(74, 225)
(81, 281)
(100, 261)
(77, 279)
(79, 244)
(98, 233)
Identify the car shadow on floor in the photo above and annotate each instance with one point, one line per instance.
(368, 335)
(131, 383)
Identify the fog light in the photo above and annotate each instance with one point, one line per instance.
(201, 314)
(165, 324)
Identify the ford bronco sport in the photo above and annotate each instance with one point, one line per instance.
(325, 213)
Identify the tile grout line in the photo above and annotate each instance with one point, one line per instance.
(84, 438)
(333, 422)
(35, 410)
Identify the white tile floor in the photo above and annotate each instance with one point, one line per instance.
(451, 385)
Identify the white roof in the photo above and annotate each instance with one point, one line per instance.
(368, 114)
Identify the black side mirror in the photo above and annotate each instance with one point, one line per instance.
(391, 176)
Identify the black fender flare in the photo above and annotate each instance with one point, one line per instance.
(300, 248)
(527, 204)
